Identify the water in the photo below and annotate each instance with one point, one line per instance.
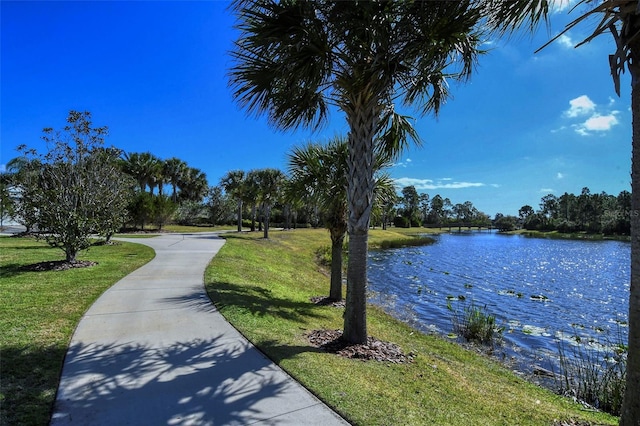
(540, 290)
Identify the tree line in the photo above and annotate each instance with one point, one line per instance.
(597, 213)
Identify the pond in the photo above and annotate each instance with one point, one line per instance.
(542, 291)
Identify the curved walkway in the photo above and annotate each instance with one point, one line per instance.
(153, 350)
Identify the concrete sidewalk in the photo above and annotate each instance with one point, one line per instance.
(153, 350)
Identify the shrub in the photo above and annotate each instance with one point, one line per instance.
(475, 323)
(401, 222)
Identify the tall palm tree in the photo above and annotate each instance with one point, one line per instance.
(193, 185)
(295, 58)
(233, 183)
(622, 20)
(143, 167)
(174, 168)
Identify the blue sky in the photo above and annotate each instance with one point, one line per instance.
(524, 126)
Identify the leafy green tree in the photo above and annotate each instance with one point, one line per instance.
(506, 223)
(411, 202)
(141, 209)
(163, 210)
(524, 212)
(76, 187)
(295, 58)
(219, 205)
(190, 212)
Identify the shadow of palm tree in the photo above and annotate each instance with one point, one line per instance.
(261, 301)
(195, 382)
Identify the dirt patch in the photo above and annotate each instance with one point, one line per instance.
(57, 265)
(375, 350)
(326, 301)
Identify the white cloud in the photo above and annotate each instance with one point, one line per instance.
(561, 5)
(597, 123)
(598, 118)
(559, 175)
(565, 41)
(547, 190)
(581, 105)
(430, 184)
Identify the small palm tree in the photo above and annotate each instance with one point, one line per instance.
(233, 184)
(319, 173)
(269, 183)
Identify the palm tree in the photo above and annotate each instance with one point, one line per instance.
(174, 169)
(143, 167)
(295, 58)
(233, 183)
(620, 18)
(270, 184)
(193, 185)
(320, 173)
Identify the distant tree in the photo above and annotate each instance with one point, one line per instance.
(75, 187)
(524, 212)
(7, 210)
(144, 168)
(190, 213)
(506, 223)
(141, 209)
(174, 169)
(411, 204)
(193, 185)
(163, 210)
(270, 183)
(423, 206)
(436, 211)
(233, 184)
(219, 205)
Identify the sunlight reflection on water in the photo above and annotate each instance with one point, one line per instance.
(538, 289)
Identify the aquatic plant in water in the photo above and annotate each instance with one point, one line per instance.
(593, 372)
(475, 323)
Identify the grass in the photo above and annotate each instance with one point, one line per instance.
(40, 311)
(263, 288)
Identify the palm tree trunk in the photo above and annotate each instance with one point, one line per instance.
(630, 413)
(267, 214)
(239, 214)
(362, 116)
(335, 288)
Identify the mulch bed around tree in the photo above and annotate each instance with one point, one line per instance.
(375, 350)
(326, 301)
(57, 265)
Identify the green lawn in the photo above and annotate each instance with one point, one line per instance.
(263, 288)
(39, 313)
